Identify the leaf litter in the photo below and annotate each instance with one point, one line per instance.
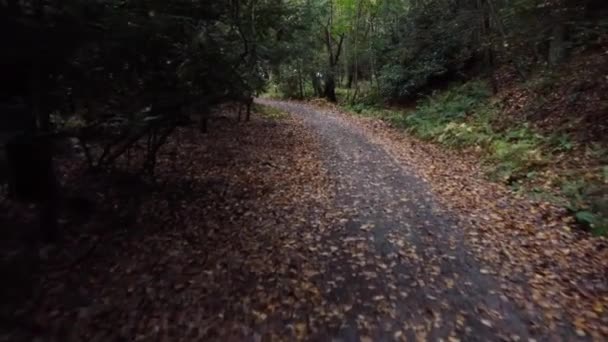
(269, 231)
(548, 267)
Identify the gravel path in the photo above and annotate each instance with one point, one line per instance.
(399, 266)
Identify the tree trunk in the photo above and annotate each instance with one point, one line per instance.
(349, 79)
(316, 85)
(300, 80)
(488, 51)
(356, 49)
(333, 58)
(494, 17)
(330, 87)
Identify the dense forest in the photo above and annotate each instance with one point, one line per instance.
(111, 74)
(214, 165)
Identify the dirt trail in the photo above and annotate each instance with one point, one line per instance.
(400, 258)
(284, 228)
(525, 251)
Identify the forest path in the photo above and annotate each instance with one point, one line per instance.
(293, 227)
(399, 263)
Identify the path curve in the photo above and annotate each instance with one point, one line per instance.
(399, 264)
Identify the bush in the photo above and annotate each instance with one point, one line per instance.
(289, 87)
(588, 201)
(431, 44)
(462, 117)
(442, 117)
(465, 134)
(516, 154)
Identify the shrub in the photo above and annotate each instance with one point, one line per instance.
(589, 203)
(442, 117)
(515, 159)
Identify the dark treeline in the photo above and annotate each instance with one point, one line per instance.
(110, 75)
(396, 50)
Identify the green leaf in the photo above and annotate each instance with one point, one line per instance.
(586, 217)
(601, 230)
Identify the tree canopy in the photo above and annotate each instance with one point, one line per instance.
(405, 47)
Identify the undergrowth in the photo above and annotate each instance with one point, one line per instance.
(269, 112)
(462, 118)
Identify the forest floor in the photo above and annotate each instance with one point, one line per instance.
(312, 226)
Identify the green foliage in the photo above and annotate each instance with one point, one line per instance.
(574, 190)
(458, 117)
(289, 84)
(586, 217)
(443, 117)
(516, 154)
(588, 201)
(591, 220)
(466, 134)
(127, 72)
(430, 42)
(408, 48)
(272, 92)
(561, 142)
(397, 81)
(597, 150)
(462, 117)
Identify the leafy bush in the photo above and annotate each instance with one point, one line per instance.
(289, 85)
(514, 160)
(371, 97)
(516, 154)
(442, 117)
(560, 143)
(466, 134)
(589, 203)
(462, 117)
(431, 44)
